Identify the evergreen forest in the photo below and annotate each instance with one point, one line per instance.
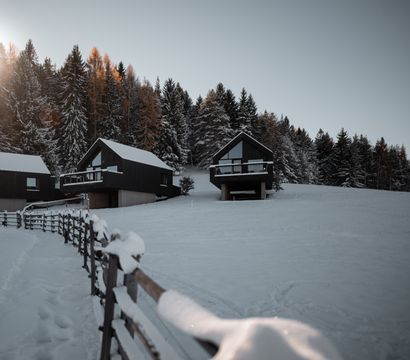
(59, 112)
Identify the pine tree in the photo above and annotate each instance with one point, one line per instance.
(357, 174)
(341, 158)
(96, 89)
(324, 148)
(109, 127)
(72, 133)
(231, 109)
(149, 124)
(381, 162)
(367, 161)
(244, 113)
(216, 130)
(172, 109)
(130, 107)
(26, 103)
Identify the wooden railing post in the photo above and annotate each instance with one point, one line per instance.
(92, 258)
(44, 222)
(67, 230)
(18, 215)
(109, 307)
(5, 218)
(80, 231)
(85, 242)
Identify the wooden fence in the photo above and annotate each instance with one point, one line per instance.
(79, 229)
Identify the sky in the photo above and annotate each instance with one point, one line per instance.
(323, 63)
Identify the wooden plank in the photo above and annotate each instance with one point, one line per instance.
(109, 307)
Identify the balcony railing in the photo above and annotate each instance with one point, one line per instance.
(85, 177)
(245, 168)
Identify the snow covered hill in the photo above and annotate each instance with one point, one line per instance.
(334, 258)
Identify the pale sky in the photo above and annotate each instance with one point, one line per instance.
(326, 64)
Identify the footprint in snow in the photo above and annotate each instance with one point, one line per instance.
(44, 312)
(62, 321)
(43, 333)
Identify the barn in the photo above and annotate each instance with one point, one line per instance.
(116, 175)
(243, 168)
(23, 179)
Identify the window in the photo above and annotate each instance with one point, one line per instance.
(235, 152)
(32, 183)
(97, 160)
(112, 168)
(225, 169)
(164, 179)
(257, 167)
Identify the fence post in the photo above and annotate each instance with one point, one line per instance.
(109, 307)
(85, 250)
(80, 231)
(92, 257)
(44, 222)
(67, 230)
(5, 218)
(31, 221)
(18, 216)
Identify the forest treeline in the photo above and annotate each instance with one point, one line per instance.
(59, 113)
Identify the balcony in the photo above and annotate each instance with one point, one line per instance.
(246, 168)
(242, 175)
(90, 180)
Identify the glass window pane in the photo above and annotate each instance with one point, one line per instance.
(112, 168)
(236, 151)
(31, 183)
(225, 169)
(97, 160)
(256, 167)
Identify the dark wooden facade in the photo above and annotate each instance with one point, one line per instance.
(242, 165)
(112, 172)
(14, 186)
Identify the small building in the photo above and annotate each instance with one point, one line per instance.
(23, 178)
(116, 175)
(243, 168)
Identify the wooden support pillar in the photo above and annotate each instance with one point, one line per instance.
(225, 192)
(263, 190)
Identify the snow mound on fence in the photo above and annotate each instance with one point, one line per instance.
(128, 248)
(252, 338)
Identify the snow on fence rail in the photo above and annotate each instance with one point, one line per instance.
(107, 256)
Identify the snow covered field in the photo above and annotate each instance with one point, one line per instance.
(337, 259)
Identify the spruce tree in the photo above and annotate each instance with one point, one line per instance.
(109, 127)
(26, 103)
(216, 129)
(149, 124)
(324, 147)
(72, 133)
(244, 114)
(341, 158)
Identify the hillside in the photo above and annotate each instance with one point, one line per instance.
(332, 257)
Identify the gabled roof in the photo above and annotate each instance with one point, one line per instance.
(131, 153)
(236, 139)
(22, 163)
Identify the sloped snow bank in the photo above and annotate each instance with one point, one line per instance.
(246, 339)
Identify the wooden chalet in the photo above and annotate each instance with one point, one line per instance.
(242, 168)
(23, 178)
(116, 175)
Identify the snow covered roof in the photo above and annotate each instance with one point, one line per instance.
(242, 134)
(22, 163)
(134, 154)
